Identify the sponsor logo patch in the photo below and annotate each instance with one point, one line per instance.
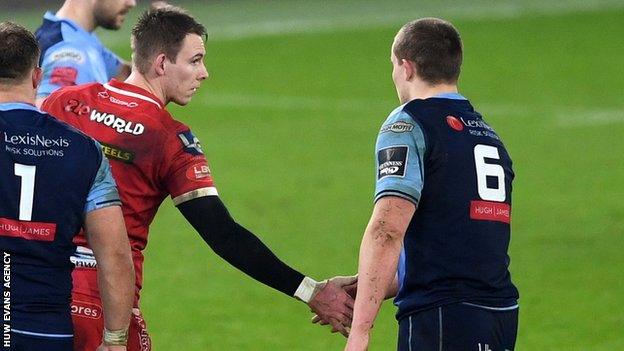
(116, 153)
(85, 309)
(490, 211)
(64, 76)
(198, 171)
(397, 127)
(119, 124)
(130, 104)
(190, 143)
(35, 140)
(78, 107)
(392, 161)
(37, 231)
(67, 55)
(454, 123)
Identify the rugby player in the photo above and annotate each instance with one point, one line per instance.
(442, 209)
(153, 155)
(53, 181)
(71, 53)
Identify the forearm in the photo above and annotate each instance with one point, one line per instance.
(379, 254)
(238, 246)
(116, 284)
(243, 250)
(107, 237)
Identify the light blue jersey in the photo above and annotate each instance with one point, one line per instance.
(400, 150)
(72, 56)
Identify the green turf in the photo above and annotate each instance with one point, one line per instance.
(288, 122)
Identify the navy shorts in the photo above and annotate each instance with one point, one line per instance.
(22, 342)
(459, 327)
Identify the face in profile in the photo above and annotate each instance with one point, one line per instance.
(110, 14)
(184, 76)
(399, 76)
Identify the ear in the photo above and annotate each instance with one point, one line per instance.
(409, 68)
(159, 64)
(36, 77)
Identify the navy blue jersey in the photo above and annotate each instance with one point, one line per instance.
(440, 154)
(51, 175)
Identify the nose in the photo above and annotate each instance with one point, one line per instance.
(204, 73)
(131, 3)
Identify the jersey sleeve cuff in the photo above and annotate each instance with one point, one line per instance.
(396, 193)
(93, 205)
(193, 194)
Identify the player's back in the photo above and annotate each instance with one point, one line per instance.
(46, 171)
(455, 249)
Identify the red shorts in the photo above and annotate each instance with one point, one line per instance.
(86, 309)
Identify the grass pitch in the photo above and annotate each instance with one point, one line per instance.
(288, 120)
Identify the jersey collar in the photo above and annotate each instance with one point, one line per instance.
(452, 96)
(52, 17)
(7, 106)
(133, 91)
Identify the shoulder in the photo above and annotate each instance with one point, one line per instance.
(73, 135)
(398, 121)
(69, 92)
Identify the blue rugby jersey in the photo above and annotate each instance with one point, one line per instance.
(51, 175)
(441, 155)
(72, 56)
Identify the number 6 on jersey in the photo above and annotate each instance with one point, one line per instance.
(484, 170)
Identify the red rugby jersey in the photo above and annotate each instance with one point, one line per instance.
(151, 154)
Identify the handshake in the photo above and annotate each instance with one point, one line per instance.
(331, 300)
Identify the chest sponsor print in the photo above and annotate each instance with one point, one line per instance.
(119, 124)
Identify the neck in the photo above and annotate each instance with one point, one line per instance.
(79, 12)
(423, 90)
(151, 84)
(17, 93)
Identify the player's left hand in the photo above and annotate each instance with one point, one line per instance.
(334, 306)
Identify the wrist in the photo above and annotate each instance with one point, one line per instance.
(361, 329)
(115, 337)
(307, 289)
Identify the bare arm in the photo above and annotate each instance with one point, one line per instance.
(379, 256)
(106, 233)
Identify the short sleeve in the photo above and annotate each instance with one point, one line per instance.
(399, 157)
(103, 192)
(188, 175)
(112, 62)
(64, 65)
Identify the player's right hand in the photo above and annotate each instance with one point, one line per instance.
(333, 306)
(348, 284)
(103, 347)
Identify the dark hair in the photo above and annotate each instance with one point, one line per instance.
(19, 54)
(434, 46)
(162, 31)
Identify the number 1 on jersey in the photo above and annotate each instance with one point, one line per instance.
(484, 170)
(27, 193)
